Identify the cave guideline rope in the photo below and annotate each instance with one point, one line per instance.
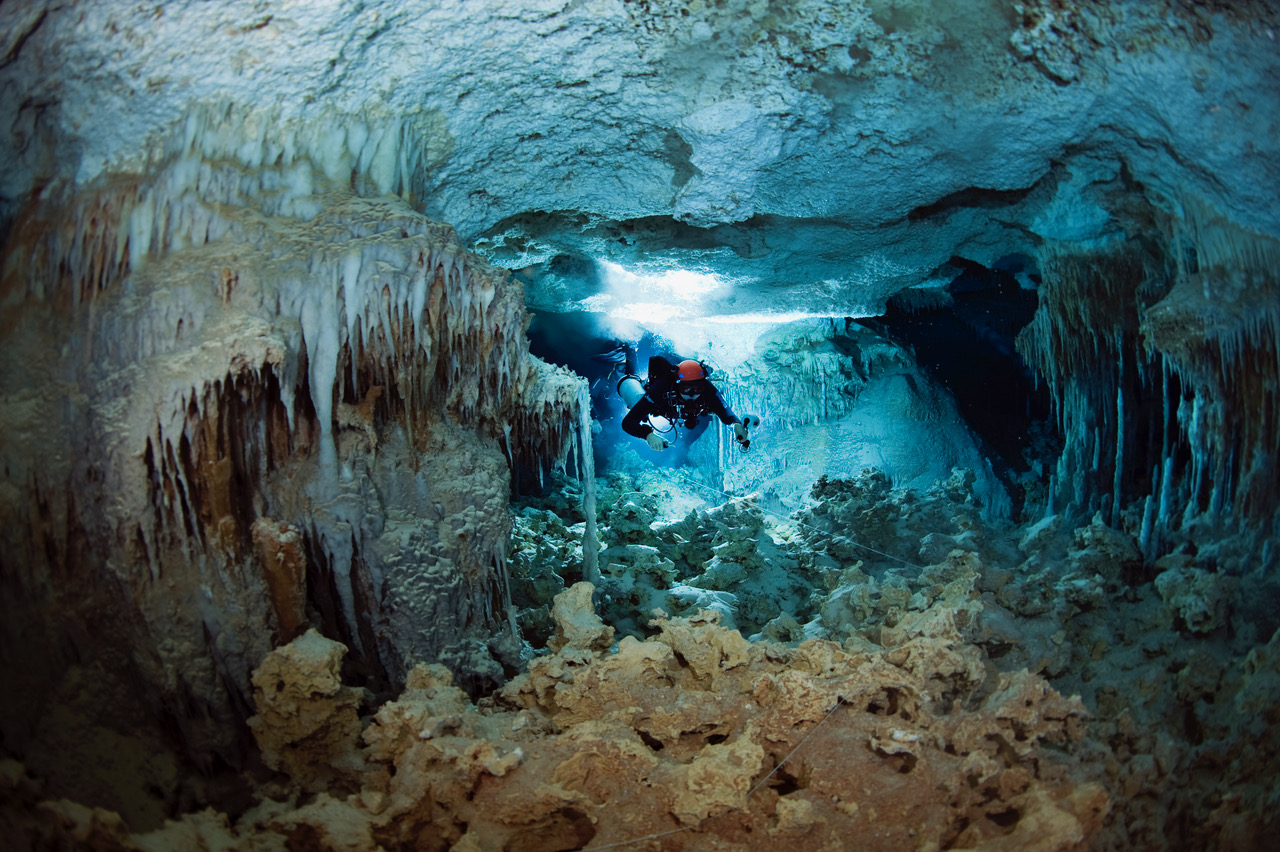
(690, 481)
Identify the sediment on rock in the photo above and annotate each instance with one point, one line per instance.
(1011, 689)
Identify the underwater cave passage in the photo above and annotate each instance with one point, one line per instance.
(964, 336)
(584, 343)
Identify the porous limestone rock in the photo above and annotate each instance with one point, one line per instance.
(224, 500)
(307, 722)
(544, 551)
(718, 779)
(222, 306)
(770, 143)
(810, 742)
(577, 625)
(1097, 549)
(1198, 598)
(1043, 597)
(281, 553)
(923, 731)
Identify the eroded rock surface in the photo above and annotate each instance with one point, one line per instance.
(691, 729)
(970, 703)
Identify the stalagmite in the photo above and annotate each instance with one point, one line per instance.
(1118, 473)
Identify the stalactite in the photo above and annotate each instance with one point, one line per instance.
(1118, 475)
(543, 430)
(590, 567)
(1164, 377)
(243, 336)
(1220, 328)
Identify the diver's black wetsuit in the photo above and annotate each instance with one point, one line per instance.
(675, 400)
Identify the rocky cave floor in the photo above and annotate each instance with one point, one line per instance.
(885, 667)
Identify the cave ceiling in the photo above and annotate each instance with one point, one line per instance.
(726, 158)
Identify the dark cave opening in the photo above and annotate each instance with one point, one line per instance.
(579, 342)
(965, 341)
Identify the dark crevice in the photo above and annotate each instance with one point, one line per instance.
(566, 829)
(16, 47)
(651, 741)
(986, 199)
(784, 783)
(886, 704)
(964, 337)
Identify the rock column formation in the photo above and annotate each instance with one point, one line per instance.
(1161, 360)
(241, 400)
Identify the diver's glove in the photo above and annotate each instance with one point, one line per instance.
(655, 441)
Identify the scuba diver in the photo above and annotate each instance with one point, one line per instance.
(676, 392)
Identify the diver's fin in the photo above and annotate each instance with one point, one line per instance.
(617, 355)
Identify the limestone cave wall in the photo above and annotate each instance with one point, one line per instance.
(261, 409)
(225, 424)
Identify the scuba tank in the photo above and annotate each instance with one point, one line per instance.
(632, 390)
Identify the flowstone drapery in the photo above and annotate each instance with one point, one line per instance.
(1162, 365)
(258, 421)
